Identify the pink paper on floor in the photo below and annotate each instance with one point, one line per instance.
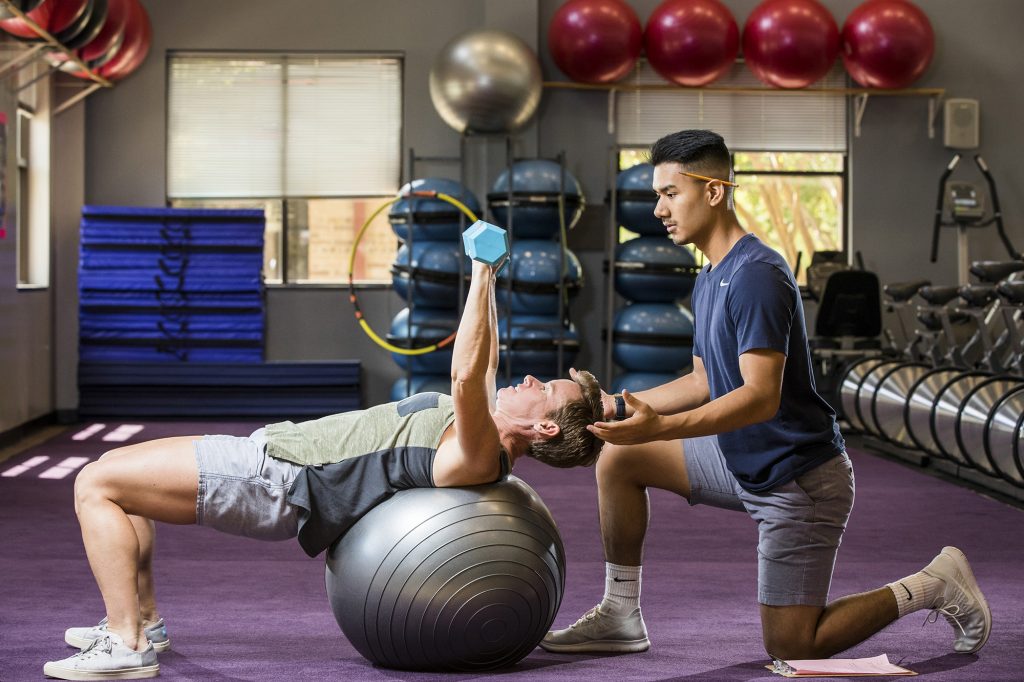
(879, 665)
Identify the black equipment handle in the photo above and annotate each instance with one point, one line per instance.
(997, 212)
(938, 206)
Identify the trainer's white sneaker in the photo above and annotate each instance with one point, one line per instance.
(962, 603)
(600, 632)
(83, 637)
(106, 658)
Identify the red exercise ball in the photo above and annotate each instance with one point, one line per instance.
(790, 43)
(691, 42)
(887, 43)
(595, 41)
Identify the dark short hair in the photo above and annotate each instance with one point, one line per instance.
(574, 445)
(694, 149)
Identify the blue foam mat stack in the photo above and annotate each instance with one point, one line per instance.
(172, 321)
(171, 285)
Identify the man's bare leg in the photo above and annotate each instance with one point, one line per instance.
(156, 480)
(802, 632)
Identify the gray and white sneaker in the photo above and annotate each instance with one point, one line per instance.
(962, 603)
(598, 631)
(83, 637)
(106, 658)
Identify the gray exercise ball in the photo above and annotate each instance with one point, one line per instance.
(486, 81)
(442, 579)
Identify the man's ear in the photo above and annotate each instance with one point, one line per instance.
(716, 193)
(547, 428)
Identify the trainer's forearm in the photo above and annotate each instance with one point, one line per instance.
(685, 393)
(745, 406)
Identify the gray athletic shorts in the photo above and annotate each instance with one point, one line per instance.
(800, 523)
(242, 490)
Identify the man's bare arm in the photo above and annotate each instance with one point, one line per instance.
(757, 400)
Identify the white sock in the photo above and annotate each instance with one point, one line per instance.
(916, 592)
(621, 589)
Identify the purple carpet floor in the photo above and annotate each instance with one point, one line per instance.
(240, 609)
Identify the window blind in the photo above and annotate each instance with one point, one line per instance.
(344, 127)
(283, 126)
(771, 121)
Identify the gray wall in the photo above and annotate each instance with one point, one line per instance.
(26, 315)
(894, 164)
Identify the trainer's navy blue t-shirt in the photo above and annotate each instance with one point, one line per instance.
(749, 301)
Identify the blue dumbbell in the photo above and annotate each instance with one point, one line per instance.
(485, 242)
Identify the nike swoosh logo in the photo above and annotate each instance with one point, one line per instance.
(723, 284)
(624, 580)
(909, 596)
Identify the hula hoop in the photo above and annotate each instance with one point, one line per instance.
(351, 266)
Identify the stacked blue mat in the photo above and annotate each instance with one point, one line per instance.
(172, 321)
(171, 285)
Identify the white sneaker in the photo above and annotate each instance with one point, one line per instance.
(598, 631)
(962, 603)
(83, 637)
(107, 658)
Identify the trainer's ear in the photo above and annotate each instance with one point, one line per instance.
(547, 428)
(716, 193)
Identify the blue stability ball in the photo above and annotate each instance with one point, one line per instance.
(431, 218)
(432, 279)
(445, 579)
(536, 184)
(427, 326)
(635, 200)
(654, 270)
(535, 269)
(641, 381)
(533, 344)
(420, 383)
(653, 337)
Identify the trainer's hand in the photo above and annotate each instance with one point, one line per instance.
(643, 426)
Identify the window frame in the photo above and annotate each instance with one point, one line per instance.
(283, 282)
(844, 174)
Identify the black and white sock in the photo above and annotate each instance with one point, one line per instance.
(621, 589)
(916, 592)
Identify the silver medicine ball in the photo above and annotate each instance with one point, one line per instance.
(440, 579)
(486, 81)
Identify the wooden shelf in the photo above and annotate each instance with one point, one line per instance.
(860, 95)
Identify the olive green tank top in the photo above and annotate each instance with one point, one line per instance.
(416, 422)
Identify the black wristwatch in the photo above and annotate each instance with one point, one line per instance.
(620, 407)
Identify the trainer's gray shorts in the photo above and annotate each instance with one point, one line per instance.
(800, 523)
(242, 490)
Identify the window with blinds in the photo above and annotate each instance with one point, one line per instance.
(775, 120)
(290, 133)
(789, 152)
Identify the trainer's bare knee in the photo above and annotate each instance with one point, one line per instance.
(614, 463)
(790, 648)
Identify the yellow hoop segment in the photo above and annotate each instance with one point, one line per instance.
(351, 267)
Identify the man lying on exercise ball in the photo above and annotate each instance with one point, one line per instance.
(286, 480)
